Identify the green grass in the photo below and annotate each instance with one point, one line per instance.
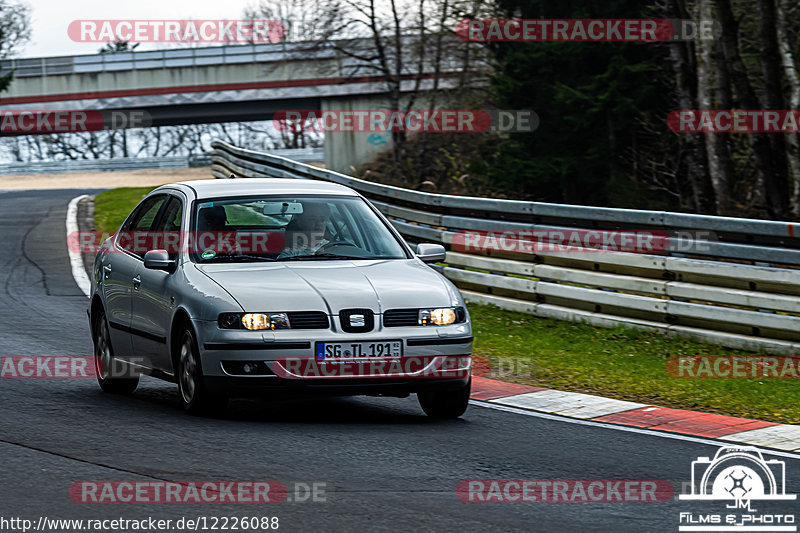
(620, 363)
(111, 208)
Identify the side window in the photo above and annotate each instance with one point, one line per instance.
(171, 219)
(168, 229)
(134, 236)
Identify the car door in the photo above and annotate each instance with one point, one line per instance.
(152, 295)
(119, 270)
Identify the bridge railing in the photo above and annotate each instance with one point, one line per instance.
(231, 54)
(730, 281)
(150, 59)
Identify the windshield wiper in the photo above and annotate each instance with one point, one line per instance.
(305, 257)
(231, 257)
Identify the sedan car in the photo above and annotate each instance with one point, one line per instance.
(256, 286)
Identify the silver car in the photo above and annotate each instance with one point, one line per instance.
(253, 286)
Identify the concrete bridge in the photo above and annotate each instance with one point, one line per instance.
(206, 85)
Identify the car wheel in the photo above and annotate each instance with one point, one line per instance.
(445, 404)
(195, 398)
(104, 362)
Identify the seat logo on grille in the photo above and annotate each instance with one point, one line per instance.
(357, 321)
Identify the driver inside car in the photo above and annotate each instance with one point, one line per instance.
(307, 232)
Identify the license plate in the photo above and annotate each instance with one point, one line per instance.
(343, 350)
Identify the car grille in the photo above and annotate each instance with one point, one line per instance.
(369, 320)
(308, 320)
(401, 317)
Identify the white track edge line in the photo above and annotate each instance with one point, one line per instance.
(629, 429)
(75, 258)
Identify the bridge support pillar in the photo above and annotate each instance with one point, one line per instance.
(345, 151)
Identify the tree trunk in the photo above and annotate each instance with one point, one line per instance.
(682, 57)
(124, 143)
(706, 78)
(766, 191)
(773, 98)
(722, 144)
(790, 71)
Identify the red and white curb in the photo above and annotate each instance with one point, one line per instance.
(632, 414)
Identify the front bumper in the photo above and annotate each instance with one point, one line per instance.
(260, 386)
(434, 358)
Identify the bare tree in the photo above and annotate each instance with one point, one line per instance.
(773, 99)
(303, 20)
(409, 46)
(15, 26)
(682, 55)
(15, 31)
(719, 167)
(118, 46)
(790, 72)
(767, 194)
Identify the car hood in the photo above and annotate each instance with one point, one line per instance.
(332, 285)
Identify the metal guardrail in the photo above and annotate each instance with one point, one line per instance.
(102, 165)
(303, 155)
(740, 290)
(137, 163)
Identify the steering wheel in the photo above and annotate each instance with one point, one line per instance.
(324, 248)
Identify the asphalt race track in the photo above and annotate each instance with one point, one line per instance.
(386, 467)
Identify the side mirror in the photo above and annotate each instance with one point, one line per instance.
(431, 253)
(159, 260)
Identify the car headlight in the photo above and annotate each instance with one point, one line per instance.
(440, 316)
(254, 321)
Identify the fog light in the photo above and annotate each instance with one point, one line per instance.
(250, 368)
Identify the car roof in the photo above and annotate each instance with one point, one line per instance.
(221, 188)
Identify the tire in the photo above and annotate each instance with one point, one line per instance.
(194, 396)
(445, 404)
(104, 362)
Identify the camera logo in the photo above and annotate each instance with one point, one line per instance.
(738, 473)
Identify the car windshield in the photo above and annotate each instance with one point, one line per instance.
(252, 229)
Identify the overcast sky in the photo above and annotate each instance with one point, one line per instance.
(51, 18)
